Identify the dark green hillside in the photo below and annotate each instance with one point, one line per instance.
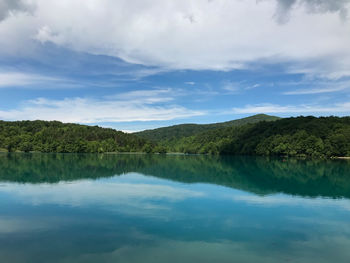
(54, 136)
(185, 130)
(301, 136)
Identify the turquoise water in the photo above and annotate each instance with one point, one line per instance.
(157, 208)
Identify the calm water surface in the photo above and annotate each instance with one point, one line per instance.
(153, 208)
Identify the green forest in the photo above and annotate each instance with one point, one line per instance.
(54, 136)
(264, 135)
(176, 132)
(301, 136)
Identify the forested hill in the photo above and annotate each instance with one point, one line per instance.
(54, 136)
(300, 136)
(185, 130)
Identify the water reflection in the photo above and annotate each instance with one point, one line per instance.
(152, 208)
(330, 178)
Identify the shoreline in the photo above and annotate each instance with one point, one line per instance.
(172, 153)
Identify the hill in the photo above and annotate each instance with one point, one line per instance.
(300, 136)
(55, 136)
(184, 130)
(257, 135)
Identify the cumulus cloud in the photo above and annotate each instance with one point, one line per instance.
(323, 6)
(143, 105)
(11, 6)
(192, 34)
(285, 7)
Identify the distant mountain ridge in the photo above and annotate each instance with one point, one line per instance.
(186, 130)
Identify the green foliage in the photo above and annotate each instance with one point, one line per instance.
(54, 136)
(171, 133)
(302, 136)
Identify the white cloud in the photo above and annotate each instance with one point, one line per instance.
(236, 87)
(232, 87)
(140, 105)
(45, 34)
(299, 109)
(314, 91)
(19, 79)
(317, 87)
(254, 86)
(192, 34)
(146, 96)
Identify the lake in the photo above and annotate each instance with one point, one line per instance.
(173, 208)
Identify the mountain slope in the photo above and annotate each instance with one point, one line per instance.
(185, 130)
(299, 136)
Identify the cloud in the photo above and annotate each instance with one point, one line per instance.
(190, 34)
(238, 86)
(231, 86)
(314, 91)
(282, 14)
(321, 87)
(285, 7)
(11, 6)
(45, 34)
(142, 105)
(146, 96)
(254, 86)
(324, 6)
(299, 109)
(24, 80)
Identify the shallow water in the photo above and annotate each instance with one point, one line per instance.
(155, 208)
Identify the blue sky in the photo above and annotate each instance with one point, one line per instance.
(145, 64)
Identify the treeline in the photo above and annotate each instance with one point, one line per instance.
(300, 136)
(176, 132)
(54, 136)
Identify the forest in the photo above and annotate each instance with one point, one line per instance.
(184, 130)
(300, 136)
(54, 136)
(263, 135)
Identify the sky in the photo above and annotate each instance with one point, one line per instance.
(143, 64)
